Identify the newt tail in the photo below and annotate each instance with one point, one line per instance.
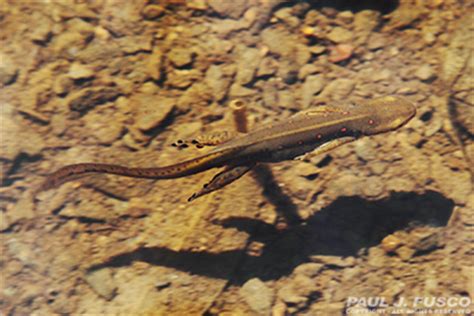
(185, 168)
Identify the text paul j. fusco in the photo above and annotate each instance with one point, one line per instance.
(417, 302)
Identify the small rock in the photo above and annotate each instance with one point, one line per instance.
(340, 53)
(288, 71)
(425, 73)
(152, 111)
(153, 11)
(340, 35)
(79, 71)
(181, 57)
(366, 149)
(135, 44)
(378, 167)
(382, 75)
(22, 209)
(335, 261)
(456, 185)
(248, 62)
(86, 99)
(376, 41)
(346, 16)
(42, 31)
(217, 81)
(154, 65)
(102, 282)
(317, 49)
(390, 243)
(405, 253)
(258, 296)
(4, 223)
(8, 70)
(233, 9)
(289, 295)
(338, 89)
(307, 70)
(237, 90)
(312, 86)
(427, 240)
(199, 5)
(268, 66)
(365, 22)
(373, 187)
(286, 15)
(346, 184)
(62, 85)
(286, 99)
(279, 309)
(376, 257)
(162, 284)
(182, 79)
(310, 269)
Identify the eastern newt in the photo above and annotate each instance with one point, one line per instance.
(320, 130)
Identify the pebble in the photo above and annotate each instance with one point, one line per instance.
(312, 86)
(365, 22)
(454, 184)
(88, 98)
(307, 70)
(233, 9)
(79, 71)
(390, 243)
(376, 41)
(248, 61)
(340, 53)
(8, 70)
(346, 184)
(182, 79)
(268, 66)
(340, 35)
(258, 296)
(62, 85)
(373, 187)
(345, 16)
(237, 90)
(12, 131)
(376, 257)
(152, 111)
(365, 149)
(24, 208)
(405, 253)
(217, 82)
(425, 73)
(335, 261)
(378, 167)
(102, 282)
(153, 11)
(4, 222)
(338, 89)
(181, 57)
(310, 269)
(381, 75)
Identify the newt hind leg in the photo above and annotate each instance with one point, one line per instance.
(223, 178)
(209, 139)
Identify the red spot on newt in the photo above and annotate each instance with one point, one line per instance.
(343, 129)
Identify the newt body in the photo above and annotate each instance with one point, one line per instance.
(320, 130)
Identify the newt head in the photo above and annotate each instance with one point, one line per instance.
(386, 114)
